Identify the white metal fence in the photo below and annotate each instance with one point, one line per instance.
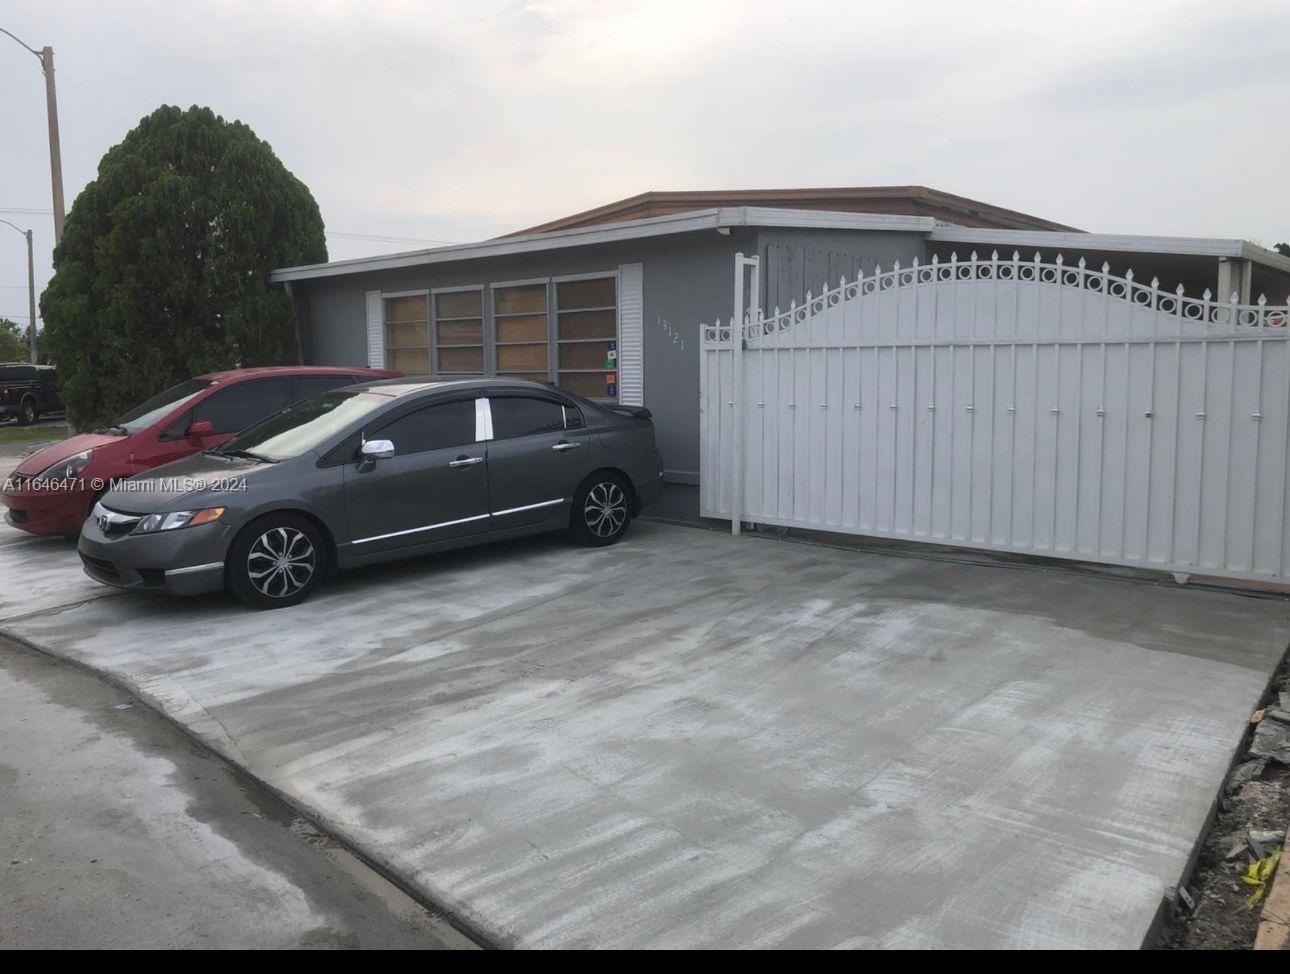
(1013, 405)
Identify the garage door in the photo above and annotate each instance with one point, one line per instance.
(1010, 405)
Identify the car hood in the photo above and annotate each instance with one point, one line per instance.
(194, 480)
(60, 451)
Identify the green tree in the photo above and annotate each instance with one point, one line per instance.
(13, 341)
(162, 272)
(1283, 249)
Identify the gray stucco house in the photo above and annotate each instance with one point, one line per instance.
(608, 303)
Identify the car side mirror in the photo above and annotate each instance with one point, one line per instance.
(372, 451)
(378, 450)
(199, 430)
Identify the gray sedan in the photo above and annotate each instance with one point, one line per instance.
(373, 472)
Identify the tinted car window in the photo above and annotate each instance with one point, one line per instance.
(517, 416)
(237, 407)
(311, 385)
(436, 427)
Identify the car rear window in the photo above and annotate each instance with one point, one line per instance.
(515, 416)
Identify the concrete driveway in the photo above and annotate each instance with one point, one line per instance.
(694, 740)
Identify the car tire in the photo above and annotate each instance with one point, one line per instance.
(27, 413)
(602, 510)
(255, 569)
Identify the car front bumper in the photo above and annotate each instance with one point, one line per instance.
(186, 561)
(47, 511)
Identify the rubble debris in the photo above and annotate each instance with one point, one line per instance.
(1236, 851)
(1272, 740)
(1244, 773)
(1235, 869)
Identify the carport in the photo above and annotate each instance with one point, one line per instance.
(697, 740)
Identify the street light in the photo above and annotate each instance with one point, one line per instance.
(46, 57)
(31, 289)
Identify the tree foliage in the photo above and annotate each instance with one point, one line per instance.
(162, 272)
(13, 342)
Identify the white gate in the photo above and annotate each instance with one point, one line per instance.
(1010, 405)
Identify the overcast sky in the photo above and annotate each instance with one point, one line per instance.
(454, 121)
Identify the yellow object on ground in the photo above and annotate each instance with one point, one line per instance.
(1259, 875)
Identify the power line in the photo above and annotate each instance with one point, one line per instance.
(26, 209)
(376, 237)
(382, 238)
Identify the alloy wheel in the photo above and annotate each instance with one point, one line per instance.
(281, 562)
(606, 509)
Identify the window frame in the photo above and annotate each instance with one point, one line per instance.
(483, 316)
(385, 325)
(489, 318)
(493, 316)
(557, 341)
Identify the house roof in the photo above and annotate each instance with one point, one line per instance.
(719, 218)
(1114, 242)
(727, 217)
(904, 200)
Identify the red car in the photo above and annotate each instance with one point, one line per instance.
(53, 490)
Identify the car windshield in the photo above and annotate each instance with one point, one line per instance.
(305, 425)
(146, 413)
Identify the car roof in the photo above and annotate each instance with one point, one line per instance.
(409, 385)
(230, 376)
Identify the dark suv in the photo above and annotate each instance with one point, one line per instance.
(28, 392)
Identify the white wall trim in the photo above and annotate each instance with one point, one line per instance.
(375, 330)
(631, 335)
(593, 276)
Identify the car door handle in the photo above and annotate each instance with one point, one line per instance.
(564, 446)
(465, 461)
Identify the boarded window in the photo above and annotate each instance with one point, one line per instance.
(587, 337)
(407, 334)
(459, 332)
(520, 323)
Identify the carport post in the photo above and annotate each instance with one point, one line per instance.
(737, 367)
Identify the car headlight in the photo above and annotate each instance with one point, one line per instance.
(177, 519)
(68, 469)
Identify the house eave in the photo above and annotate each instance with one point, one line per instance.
(718, 218)
(1120, 243)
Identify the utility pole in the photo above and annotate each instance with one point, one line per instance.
(31, 288)
(31, 298)
(46, 57)
(55, 155)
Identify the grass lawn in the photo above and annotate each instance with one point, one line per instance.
(12, 435)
